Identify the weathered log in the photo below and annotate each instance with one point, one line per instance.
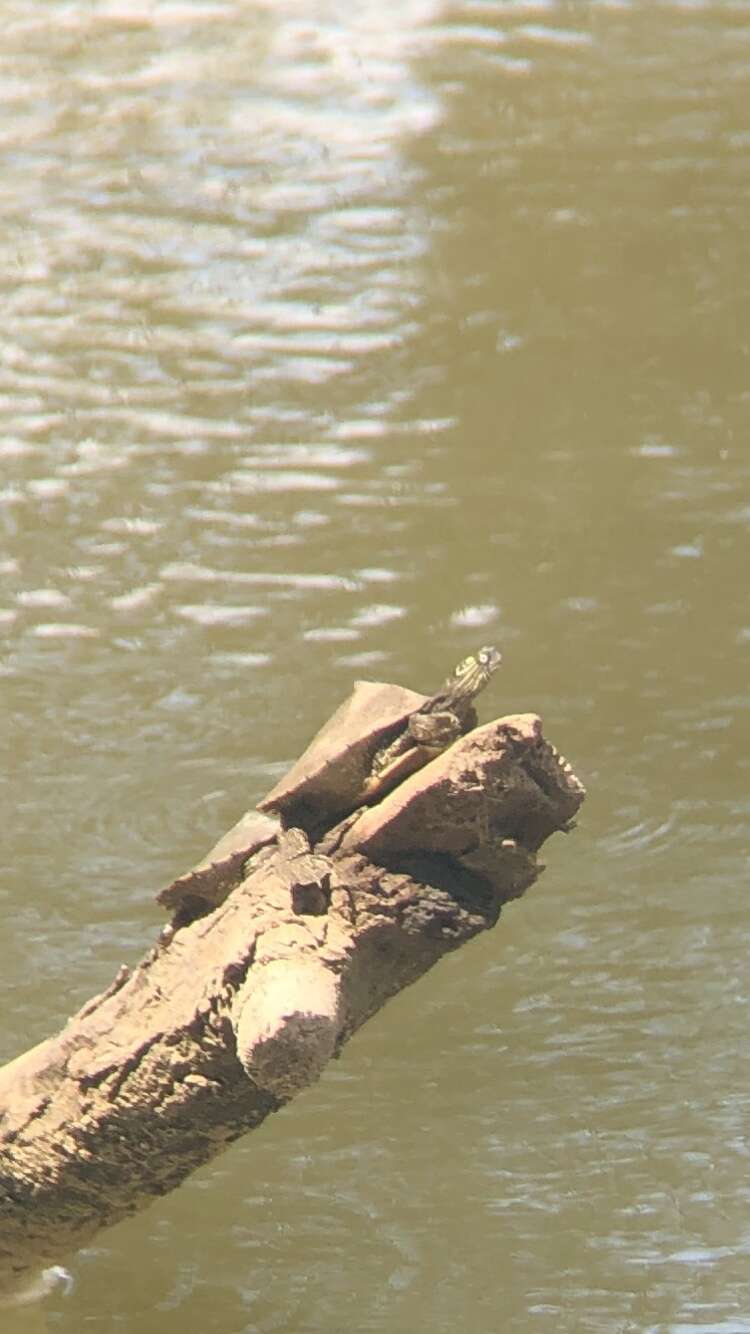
(234, 1010)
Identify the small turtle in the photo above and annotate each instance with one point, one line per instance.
(446, 716)
(378, 736)
(210, 882)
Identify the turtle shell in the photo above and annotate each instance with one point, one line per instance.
(328, 780)
(209, 883)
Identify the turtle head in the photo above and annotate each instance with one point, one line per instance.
(489, 659)
(472, 674)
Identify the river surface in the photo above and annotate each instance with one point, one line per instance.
(338, 339)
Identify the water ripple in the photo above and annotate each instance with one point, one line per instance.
(202, 574)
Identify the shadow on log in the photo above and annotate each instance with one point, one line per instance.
(279, 949)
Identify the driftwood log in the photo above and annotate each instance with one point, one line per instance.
(244, 999)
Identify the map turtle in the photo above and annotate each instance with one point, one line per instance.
(378, 736)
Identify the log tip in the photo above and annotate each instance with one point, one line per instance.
(287, 1024)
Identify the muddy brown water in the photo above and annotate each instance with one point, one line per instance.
(338, 340)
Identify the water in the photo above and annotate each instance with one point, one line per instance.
(338, 340)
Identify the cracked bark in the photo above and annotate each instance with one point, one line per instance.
(229, 1015)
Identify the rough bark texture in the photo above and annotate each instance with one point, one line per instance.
(233, 1012)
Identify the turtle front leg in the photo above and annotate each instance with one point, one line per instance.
(436, 730)
(425, 736)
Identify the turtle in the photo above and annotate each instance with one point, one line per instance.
(210, 882)
(378, 736)
(439, 722)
